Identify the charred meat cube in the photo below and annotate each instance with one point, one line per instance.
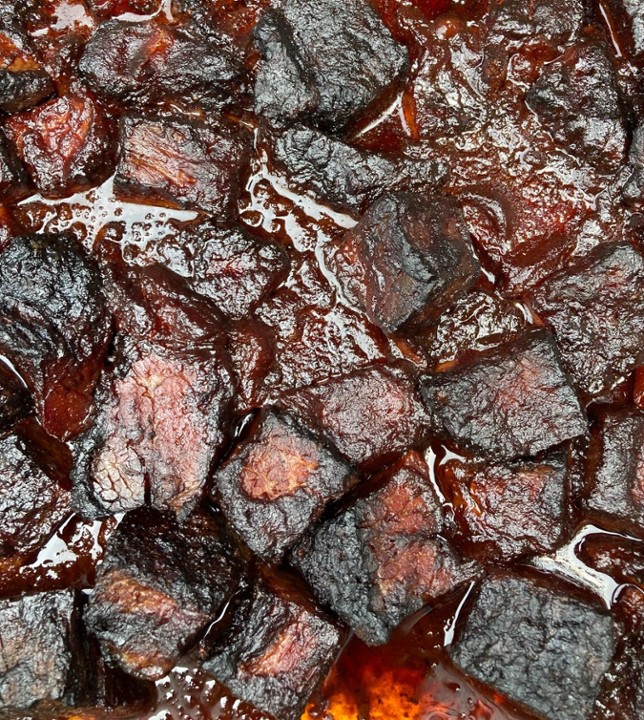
(278, 651)
(23, 80)
(477, 322)
(324, 60)
(615, 471)
(66, 144)
(409, 257)
(537, 645)
(628, 19)
(160, 424)
(34, 495)
(576, 99)
(15, 400)
(370, 415)
(596, 311)
(54, 326)
(382, 559)
(252, 355)
(344, 176)
(276, 483)
(145, 63)
(503, 511)
(14, 182)
(513, 401)
(616, 555)
(556, 20)
(188, 165)
(36, 636)
(232, 268)
(159, 585)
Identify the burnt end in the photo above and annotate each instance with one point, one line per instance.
(513, 401)
(408, 258)
(33, 501)
(537, 645)
(158, 587)
(620, 557)
(14, 181)
(147, 63)
(36, 635)
(160, 424)
(477, 322)
(382, 558)
(193, 165)
(615, 470)
(232, 268)
(344, 176)
(54, 326)
(23, 80)
(556, 20)
(633, 190)
(370, 415)
(278, 651)
(300, 75)
(596, 311)
(276, 483)
(252, 355)
(15, 400)
(577, 101)
(504, 511)
(628, 20)
(65, 144)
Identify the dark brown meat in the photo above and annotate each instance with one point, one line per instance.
(15, 400)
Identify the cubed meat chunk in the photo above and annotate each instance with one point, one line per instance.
(193, 165)
(504, 511)
(33, 498)
(576, 99)
(15, 400)
(615, 470)
(616, 555)
(159, 425)
(147, 63)
(556, 20)
(66, 144)
(344, 176)
(323, 60)
(628, 19)
(537, 645)
(23, 80)
(513, 401)
(231, 267)
(370, 415)
(596, 311)
(277, 482)
(407, 259)
(252, 355)
(159, 585)
(278, 651)
(36, 636)
(381, 559)
(14, 181)
(54, 326)
(476, 322)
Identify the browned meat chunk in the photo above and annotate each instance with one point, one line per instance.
(277, 482)
(36, 636)
(158, 428)
(577, 101)
(323, 60)
(159, 585)
(252, 354)
(537, 645)
(15, 400)
(382, 559)
(512, 401)
(33, 498)
(408, 258)
(620, 557)
(147, 63)
(615, 472)
(278, 651)
(557, 20)
(54, 326)
(369, 415)
(14, 182)
(628, 18)
(477, 322)
(66, 144)
(503, 511)
(596, 311)
(190, 165)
